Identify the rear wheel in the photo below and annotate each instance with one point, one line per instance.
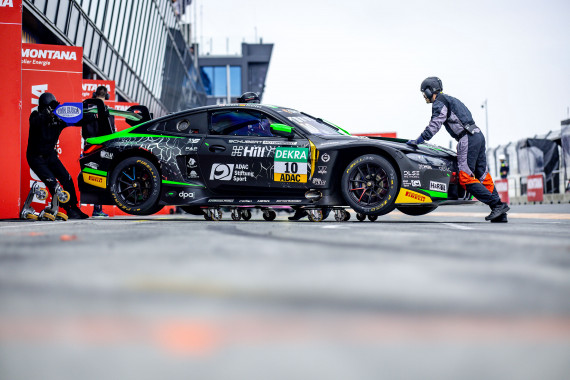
(135, 186)
(416, 210)
(369, 185)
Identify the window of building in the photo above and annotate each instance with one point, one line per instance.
(215, 79)
(240, 123)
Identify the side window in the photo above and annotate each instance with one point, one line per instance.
(185, 125)
(240, 123)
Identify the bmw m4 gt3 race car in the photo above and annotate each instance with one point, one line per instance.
(250, 155)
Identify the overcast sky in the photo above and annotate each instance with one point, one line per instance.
(359, 64)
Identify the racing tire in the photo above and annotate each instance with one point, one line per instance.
(135, 186)
(369, 185)
(372, 218)
(315, 215)
(269, 215)
(246, 214)
(360, 217)
(416, 210)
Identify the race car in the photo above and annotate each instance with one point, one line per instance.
(254, 155)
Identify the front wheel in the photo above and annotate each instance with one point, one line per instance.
(135, 186)
(369, 185)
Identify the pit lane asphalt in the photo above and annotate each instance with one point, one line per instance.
(445, 295)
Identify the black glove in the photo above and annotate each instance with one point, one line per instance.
(415, 142)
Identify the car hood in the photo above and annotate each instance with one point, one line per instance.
(400, 144)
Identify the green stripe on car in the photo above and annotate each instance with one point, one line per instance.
(95, 171)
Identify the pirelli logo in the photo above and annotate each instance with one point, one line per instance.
(409, 196)
(95, 180)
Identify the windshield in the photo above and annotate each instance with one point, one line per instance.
(313, 125)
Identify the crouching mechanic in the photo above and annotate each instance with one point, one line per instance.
(471, 157)
(45, 128)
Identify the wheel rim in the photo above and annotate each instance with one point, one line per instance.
(134, 185)
(368, 185)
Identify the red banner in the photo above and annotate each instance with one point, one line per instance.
(57, 69)
(90, 85)
(502, 186)
(534, 188)
(11, 107)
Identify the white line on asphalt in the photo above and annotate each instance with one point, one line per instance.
(459, 227)
(40, 224)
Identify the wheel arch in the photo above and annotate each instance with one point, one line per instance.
(346, 156)
(134, 152)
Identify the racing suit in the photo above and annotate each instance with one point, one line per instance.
(471, 157)
(45, 128)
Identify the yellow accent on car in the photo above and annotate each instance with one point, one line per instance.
(314, 155)
(95, 180)
(410, 196)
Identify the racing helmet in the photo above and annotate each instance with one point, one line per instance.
(430, 86)
(47, 101)
(248, 97)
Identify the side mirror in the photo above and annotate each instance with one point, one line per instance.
(282, 130)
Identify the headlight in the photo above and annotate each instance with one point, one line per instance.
(420, 158)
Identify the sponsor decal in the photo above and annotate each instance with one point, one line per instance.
(289, 201)
(107, 155)
(245, 201)
(424, 167)
(319, 182)
(270, 142)
(185, 195)
(438, 186)
(194, 141)
(325, 157)
(249, 151)
(416, 183)
(221, 201)
(6, 3)
(290, 165)
(322, 170)
(191, 149)
(412, 174)
(410, 196)
(92, 165)
(193, 174)
(222, 172)
(534, 183)
(241, 173)
(49, 54)
(192, 163)
(263, 201)
(95, 180)
(70, 112)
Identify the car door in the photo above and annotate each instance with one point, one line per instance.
(240, 155)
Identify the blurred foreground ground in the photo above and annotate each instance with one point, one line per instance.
(441, 296)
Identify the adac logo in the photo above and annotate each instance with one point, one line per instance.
(49, 54)
(6, 3)
(70, 112)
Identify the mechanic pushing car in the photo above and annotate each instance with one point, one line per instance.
(471, 156)
(92, 128)
(45, 128)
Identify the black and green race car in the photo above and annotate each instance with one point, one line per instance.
(252, 155)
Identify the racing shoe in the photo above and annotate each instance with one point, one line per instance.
(98, 212)
(299, 214)
(500, 219)
(76, 213)
(498, 211)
